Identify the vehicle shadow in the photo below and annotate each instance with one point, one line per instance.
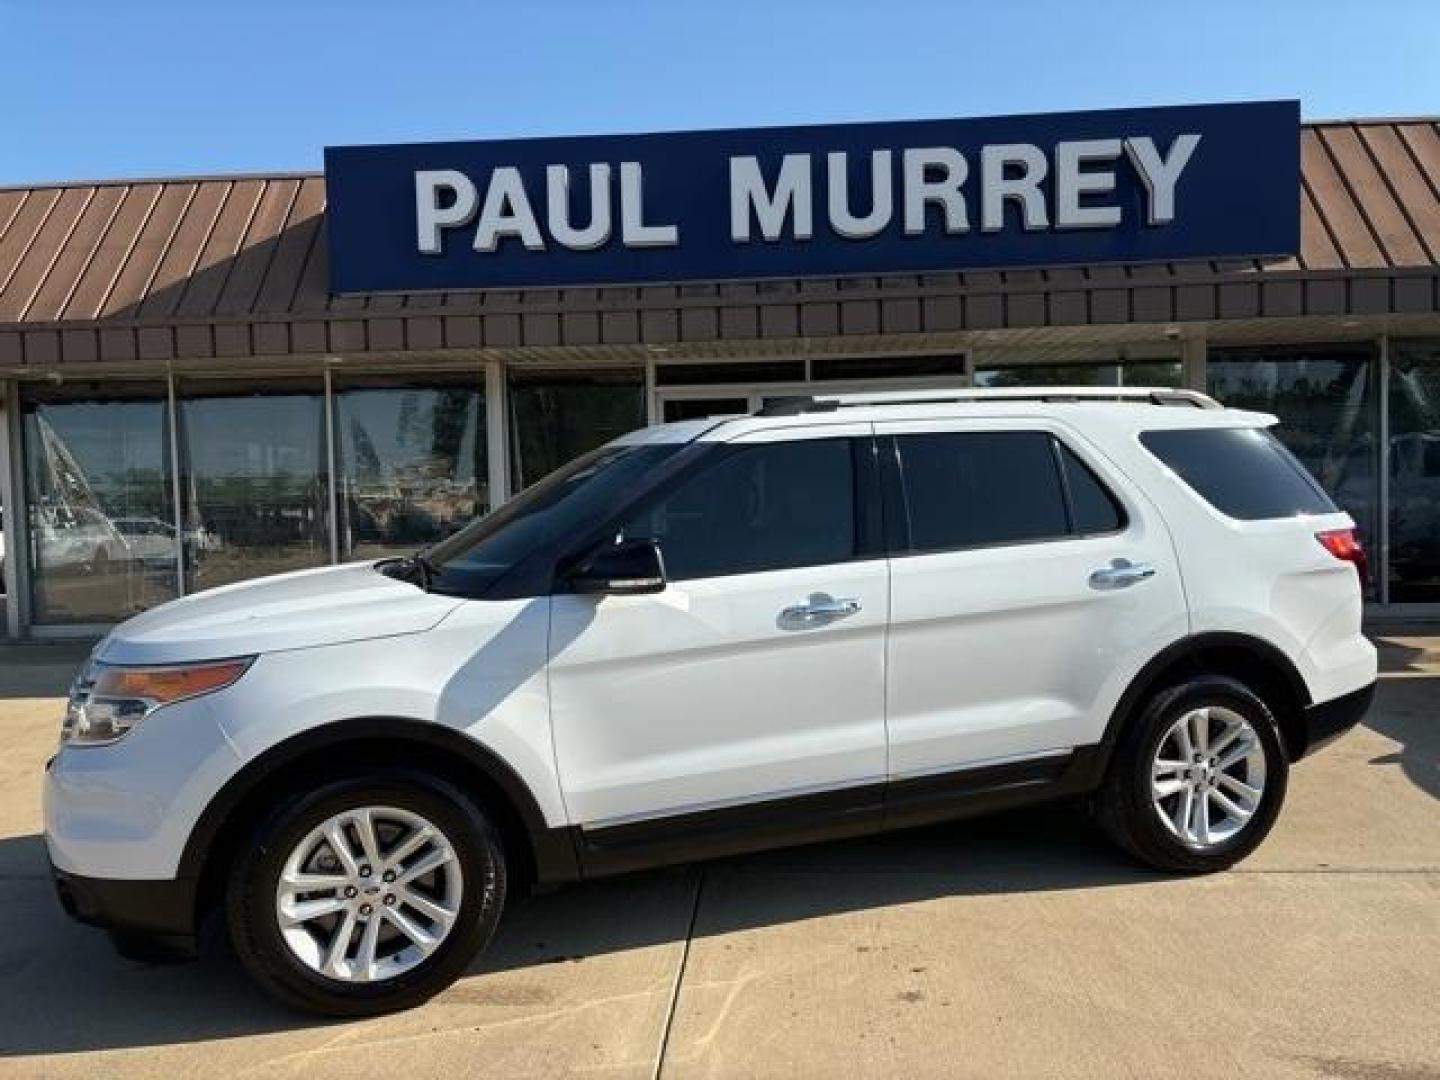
(1407, 708)
(66, 991)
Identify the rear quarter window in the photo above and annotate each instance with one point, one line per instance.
(1244, 473)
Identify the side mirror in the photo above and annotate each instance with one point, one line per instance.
(628, 568)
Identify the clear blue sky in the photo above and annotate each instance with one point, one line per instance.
(137, 89)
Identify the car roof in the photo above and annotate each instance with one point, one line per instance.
(1113, 408)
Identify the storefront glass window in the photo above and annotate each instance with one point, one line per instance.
(1415, 473)
(1130, 373)
(254, 483)
(97, 478)
(557, 416)
(1325, 399)
(412, 463)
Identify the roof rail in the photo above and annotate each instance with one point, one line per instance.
(1145, 395)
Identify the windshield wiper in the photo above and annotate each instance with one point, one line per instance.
(416, 569)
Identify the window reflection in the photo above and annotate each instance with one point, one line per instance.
(1324, 398)
(97, 476)
(254, 484)
(1415, 473)
(557, 416)
(1128, 373)
(412, 463)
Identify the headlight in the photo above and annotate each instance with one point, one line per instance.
(107, 700)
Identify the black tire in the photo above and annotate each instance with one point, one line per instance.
(251, 895)
(1124, 804)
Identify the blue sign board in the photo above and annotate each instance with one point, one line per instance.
(1125, 185)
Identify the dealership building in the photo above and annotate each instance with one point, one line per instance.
(208, 379)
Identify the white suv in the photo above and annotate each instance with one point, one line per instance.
(834, 617)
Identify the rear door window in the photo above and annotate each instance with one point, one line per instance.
(1244, 473)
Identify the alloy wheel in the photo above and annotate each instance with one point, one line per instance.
(369, 894)
(1208, 776)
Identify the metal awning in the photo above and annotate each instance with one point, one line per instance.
(236, 267)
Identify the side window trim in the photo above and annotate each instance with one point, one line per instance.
(1057, 457)
(895, 499)
(869, 509)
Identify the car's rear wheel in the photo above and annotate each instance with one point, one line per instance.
(367, 895)
(1198, 779)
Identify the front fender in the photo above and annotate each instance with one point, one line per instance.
(480, 674)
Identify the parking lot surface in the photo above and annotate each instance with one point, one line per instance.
(1013, 946)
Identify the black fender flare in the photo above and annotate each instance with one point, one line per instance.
(551, 848)
(1192, 648)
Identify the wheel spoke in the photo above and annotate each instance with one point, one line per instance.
(436, 913)
(1202, 820)
(340, 845)
(1238, 813)
(1230, 734)
(433, 861)
(1166, 766)
(1180, 818)
(1182, 740)
(339, 946)
(295, 913)
(411, 844)
(1250, 795)
(1163, 789)
(369, 842)
(301, 881)
(1200, 731)
(369, 942)
(423, 939)
(1246, 747)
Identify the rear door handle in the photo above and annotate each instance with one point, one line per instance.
(1121, 574)
(819, 609)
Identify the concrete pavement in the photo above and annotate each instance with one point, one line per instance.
(1020, 945)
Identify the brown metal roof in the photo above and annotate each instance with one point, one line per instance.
(234, 266)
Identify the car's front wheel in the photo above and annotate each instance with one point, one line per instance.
(1198, 779)
(368, 894)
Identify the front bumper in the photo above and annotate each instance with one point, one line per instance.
(1327, 721)
(160, 911)
(117, 819)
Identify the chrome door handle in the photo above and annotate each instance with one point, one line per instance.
(1121, 574)
(819, 609)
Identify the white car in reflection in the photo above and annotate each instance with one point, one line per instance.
(150, 540)
(78, 538)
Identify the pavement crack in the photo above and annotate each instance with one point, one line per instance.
(679, 978)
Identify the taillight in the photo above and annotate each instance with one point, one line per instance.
(1346, 546)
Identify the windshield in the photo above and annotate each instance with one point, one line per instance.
(569, 500)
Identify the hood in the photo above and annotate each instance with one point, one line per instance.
(289, 611)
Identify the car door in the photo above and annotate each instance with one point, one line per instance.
(1031, 581)
(758, 673)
